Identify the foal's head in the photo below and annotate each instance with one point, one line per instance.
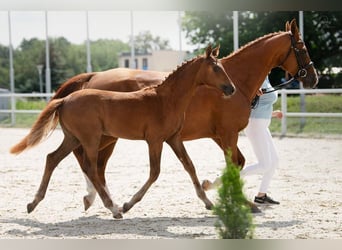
(298, 62)
(212, 73)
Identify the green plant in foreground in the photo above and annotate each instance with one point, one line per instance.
(234, 215)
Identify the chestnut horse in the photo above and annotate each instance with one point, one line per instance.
(208, 115)
(154, 114)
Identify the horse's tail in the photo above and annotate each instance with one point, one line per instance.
(46, 122)
(73, 84)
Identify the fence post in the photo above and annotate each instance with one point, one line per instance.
(284, 110)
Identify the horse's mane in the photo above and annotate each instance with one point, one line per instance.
(180, 68)
(251, 43)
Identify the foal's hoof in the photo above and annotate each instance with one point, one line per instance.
(126, 207)
(30, 207)
(86, 203)
(118, 216)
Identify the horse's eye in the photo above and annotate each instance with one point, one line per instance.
(216, 68)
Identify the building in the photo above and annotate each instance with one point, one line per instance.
(158, 60)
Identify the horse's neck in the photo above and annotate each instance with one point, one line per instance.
(249, 67)
(180, 86)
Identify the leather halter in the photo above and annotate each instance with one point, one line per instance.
(302, 71)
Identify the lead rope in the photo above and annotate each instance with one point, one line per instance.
(255, 101)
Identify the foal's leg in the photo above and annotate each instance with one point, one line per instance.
(52, 160)
(179, 149)
(105, 151)
(90, 170)
(155, 155)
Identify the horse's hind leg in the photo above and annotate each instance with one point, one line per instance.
(90, 170)
(155, 155)
(105, 151)
(179, 149)
(52, 160)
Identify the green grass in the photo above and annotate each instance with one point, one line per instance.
(314, 103)
(312, 125)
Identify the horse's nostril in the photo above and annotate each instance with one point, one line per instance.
(228, 89)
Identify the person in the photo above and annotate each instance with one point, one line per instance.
(259, 135)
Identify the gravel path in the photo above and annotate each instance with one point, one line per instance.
(308, 184)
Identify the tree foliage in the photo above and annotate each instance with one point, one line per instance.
(144, 42)
(66, 60)
(234, 216)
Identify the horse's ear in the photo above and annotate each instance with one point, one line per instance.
(287, 26)
(294, 29)
(208, 51)
(216, 51)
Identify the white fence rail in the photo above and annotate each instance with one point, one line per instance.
(283, 93)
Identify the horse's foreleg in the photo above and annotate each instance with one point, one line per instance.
(52, 161)
(155, 155)
(230, 142)
(178, 147)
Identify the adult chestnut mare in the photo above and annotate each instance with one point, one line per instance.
(208, 115)
(154, 114)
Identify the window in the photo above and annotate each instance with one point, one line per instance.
(144, 64)
(136, 63)
(126, 63)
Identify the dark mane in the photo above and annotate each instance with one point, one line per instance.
(257, 40)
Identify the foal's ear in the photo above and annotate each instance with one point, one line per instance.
(208, 51)
(216, 51)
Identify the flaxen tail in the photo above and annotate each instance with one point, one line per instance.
(46, 122)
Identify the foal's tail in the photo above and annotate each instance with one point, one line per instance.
(46, 122)
(73, 84)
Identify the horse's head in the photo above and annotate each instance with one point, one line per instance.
(297, 61)
(213, 74)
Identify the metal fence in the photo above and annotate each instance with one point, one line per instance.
(11, 99)
(285, 92)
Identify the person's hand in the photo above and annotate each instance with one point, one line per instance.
(278, 114)
(259, 92)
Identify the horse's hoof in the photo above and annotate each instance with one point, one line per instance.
(209, 206)
(118, 216)
(255, 210)
(30, 207)
(126, 207)
(86, 203)
(206, 184)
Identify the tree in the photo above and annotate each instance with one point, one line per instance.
(234, 216)
(4, 67)
(144, 42)
(105, 53)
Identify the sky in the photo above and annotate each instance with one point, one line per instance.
(102, 24)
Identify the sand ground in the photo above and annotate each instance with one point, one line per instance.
(308, 184)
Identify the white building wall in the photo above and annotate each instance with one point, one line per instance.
(160, 60)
